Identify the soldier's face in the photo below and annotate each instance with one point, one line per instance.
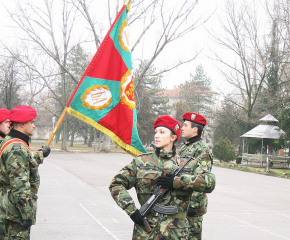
(5, 127)
(187, 131)
(163, 138)
(28, 128)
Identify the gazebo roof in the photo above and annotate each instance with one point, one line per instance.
(268, 118)
(265, 129)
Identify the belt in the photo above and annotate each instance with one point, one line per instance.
(178, 215)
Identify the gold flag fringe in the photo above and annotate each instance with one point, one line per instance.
(126, 147)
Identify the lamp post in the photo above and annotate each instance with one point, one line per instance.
(53, 121)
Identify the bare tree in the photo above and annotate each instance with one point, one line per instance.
(9, 83)
(49, 45)
(244, 58)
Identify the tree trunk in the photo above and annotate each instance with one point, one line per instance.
(106, 144)
(64, 135)
(72, 137)
(91, 136)
(100, 140)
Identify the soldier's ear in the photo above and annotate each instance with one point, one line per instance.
(173, 137)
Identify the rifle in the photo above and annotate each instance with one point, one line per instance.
(151, 203)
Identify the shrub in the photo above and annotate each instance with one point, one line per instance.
(239, 160)
(224, 150)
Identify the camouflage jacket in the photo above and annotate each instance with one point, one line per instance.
(142, 174)
(196, 148)
(19, 181)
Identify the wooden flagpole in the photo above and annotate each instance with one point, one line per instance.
(56, 126)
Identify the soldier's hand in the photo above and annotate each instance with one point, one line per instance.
(26, 223)
(166, 181)
(137, 218)
(45, 150)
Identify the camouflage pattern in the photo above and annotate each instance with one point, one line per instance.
(142, 174)
(2, 229)
(19, 182)
(195, 227)
(198, 150)
(15, 231)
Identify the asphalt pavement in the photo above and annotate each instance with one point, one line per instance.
(75, 203)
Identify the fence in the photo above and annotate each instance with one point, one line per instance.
(275, 161)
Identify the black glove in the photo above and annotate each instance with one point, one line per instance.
(166, 181)
(137, 218)
(192, 212)
(26, 223)
(45, 150)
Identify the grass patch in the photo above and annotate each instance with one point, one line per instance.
(281, 173)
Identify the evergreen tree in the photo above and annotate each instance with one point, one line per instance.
(196, 92)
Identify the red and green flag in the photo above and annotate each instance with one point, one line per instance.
(104, 97)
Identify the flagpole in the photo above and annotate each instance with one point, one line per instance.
(62, 116)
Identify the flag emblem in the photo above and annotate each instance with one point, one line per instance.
(127, 90)
(123, 36)
(97, 97)
(193, 116)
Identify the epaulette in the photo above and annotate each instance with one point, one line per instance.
(144, 154)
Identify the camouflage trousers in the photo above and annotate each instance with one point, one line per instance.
(163, 228)
(2, 230)
(195, 228)
(10, 230)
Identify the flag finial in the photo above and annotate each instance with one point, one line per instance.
(128, 5)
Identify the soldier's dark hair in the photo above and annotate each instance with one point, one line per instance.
(171, 134)
(198, 126)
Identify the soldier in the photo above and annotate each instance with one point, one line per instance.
(4, 123)
(4, 130)
(19, 178)
(195, 147)
(150, 170)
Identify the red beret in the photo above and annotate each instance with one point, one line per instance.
(194, 117)
(168, 122)
(22, 114)
(4, 114)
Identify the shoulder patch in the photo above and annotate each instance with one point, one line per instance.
(203, 163)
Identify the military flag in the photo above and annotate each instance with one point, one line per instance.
(104, 97)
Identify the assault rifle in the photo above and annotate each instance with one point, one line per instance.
(151, 203)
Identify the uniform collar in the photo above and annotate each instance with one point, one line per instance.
(193, 139)
(16, 134)
(165, 155)
(2, 135)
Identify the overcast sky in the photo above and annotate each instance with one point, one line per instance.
(196, 41)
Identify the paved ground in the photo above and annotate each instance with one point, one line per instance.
(75, 203)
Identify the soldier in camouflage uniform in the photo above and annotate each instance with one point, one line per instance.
(4, 130)
(4, 123)
(195, 147)
(150, 170)
(19, 178)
